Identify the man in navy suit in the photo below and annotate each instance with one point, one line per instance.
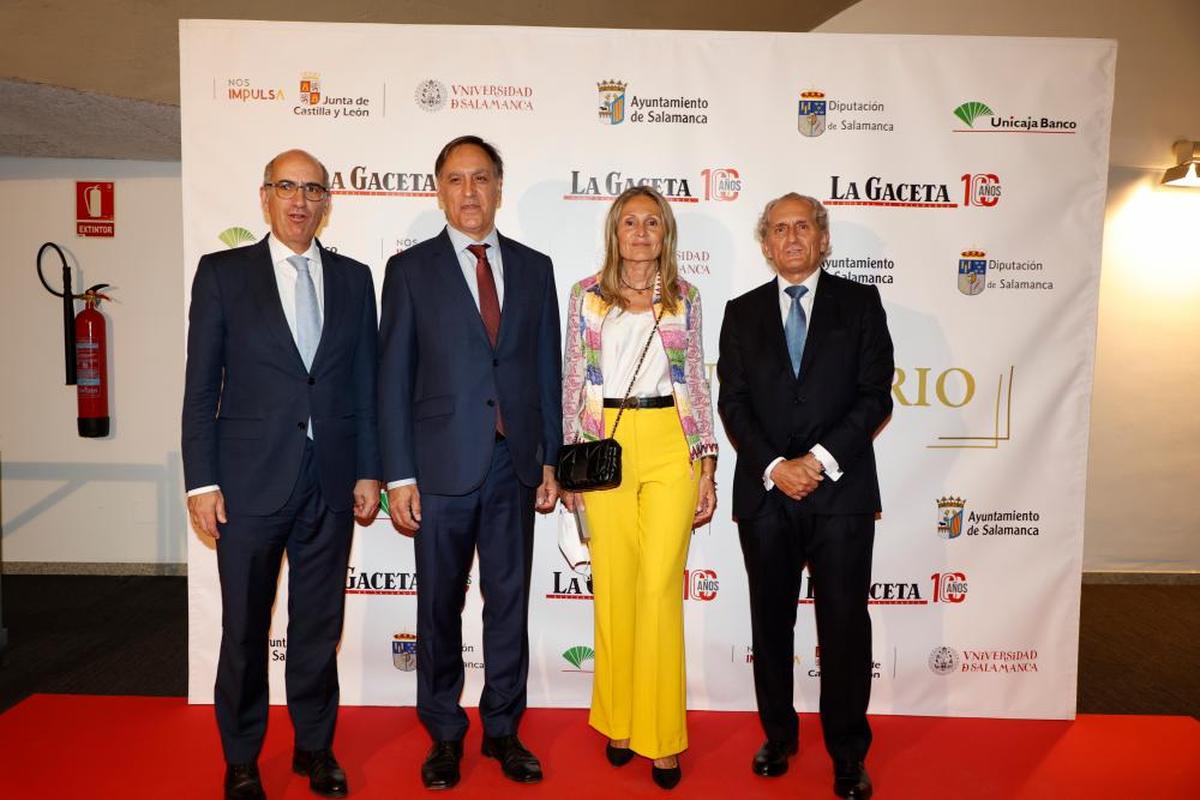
(280, 455)
(806, 370)
(470, 390)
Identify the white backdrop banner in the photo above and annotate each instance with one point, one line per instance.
(964, 176)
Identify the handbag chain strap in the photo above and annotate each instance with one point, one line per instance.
(636, 370)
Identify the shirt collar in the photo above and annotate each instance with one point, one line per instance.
(810, 282)
(281, 252)
(460, 240)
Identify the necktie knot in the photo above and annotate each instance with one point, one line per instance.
(479, 251)
(797, 291)
(300, 263)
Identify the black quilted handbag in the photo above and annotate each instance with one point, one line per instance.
(586, 466)
(590, 465)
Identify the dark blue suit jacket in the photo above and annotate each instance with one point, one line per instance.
(440, 379)
(247, 396)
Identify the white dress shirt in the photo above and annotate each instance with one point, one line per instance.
(467, 260)
(285, 280)
(286, 277)
(785, 308)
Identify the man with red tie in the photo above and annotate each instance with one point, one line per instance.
(470, 399)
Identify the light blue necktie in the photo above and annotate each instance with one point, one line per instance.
(796, 329)
(308, 315)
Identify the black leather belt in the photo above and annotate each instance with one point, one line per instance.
(640, 402)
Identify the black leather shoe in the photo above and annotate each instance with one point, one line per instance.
(242, 783)
(516, 761)
(617, 756)
(666, 777)
(325, 775)
(850, 779)
(440, 770)
(771, 760)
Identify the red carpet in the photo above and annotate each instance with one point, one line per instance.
(64, 746)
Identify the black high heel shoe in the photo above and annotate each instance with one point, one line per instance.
(617, 756)
(666, 777)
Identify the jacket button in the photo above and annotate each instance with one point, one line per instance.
(491, 402)
(311, 381)
(495, 362)
(301, 425)
(802, 398)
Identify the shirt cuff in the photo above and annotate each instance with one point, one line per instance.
(828, 461)
(402, 482)
(769, 484)
(204, 490)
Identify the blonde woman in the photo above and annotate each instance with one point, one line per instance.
(641, 529)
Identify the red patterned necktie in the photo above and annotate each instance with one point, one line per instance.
(489, 304)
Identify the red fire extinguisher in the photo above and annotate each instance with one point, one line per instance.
(85, 348)
(91, 365)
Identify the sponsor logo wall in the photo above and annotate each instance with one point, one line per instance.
(985, 249)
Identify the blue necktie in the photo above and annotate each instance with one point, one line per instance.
(796, 329)
(308, 315)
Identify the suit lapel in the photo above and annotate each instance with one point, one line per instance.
(450, 271)
(264, 290)
(774, 339)
(335, 301)
(513, 286)
(825, 314)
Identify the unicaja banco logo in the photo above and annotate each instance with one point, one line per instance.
(972, 110)
(236, 237)
(811, 120)
(580, 658)
(950, 517)
(612, 102)
(310, 88)
(972, 272)
(404, 652)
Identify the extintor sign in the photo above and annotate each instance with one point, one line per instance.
(95, 212)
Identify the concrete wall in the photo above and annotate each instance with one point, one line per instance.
(67, 499)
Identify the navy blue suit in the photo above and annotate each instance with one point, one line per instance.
(247, 402)
(441, 383)
(840, 400)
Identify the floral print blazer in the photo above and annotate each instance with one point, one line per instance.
(680, 335)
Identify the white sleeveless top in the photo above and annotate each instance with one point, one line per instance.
(622, 339)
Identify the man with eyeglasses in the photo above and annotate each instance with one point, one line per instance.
(280, 456)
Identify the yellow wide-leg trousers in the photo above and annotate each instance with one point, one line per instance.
(640, 535)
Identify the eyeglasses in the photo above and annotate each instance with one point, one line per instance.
(286, 190)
